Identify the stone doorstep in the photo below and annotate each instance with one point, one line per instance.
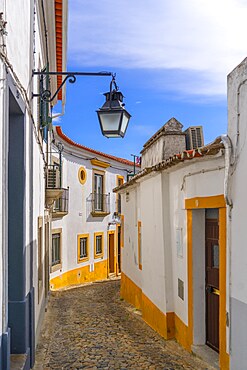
(18, 362)
(207, 354)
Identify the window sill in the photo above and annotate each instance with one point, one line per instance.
(97, 256)
(56, 267)
(81, 260)
(99, 214)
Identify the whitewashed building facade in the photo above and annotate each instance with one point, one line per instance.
(86, 227)
(184, 256)
(33, 36)
(174, 260)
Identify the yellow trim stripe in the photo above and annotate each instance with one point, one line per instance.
(209, 202)
(97, 162)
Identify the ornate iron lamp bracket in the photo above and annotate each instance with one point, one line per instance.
(47, 96)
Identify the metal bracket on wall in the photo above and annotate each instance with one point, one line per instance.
(47, 96)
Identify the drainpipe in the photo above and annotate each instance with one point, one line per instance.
(228, 154)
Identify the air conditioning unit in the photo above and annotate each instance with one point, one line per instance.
(53, 178)
(194, 137)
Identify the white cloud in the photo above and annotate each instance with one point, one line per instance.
(56, 120)
(207, 36)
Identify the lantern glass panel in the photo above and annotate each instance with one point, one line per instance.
(110, 121)
(125, 122)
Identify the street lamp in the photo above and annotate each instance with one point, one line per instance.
(113, 117)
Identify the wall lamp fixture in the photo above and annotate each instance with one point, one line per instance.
(113, 117)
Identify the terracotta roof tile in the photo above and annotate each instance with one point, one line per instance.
(210, 149)
(108, 156)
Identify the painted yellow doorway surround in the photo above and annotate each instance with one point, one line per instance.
(204, 203)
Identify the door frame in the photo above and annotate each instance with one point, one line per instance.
(118, 248)
(191, 204)
(111, 232)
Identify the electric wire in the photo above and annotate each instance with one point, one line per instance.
(25, 97)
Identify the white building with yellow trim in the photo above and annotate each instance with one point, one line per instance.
(85, 239)
(184, 252)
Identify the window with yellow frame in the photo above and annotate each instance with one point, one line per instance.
(98, 245)
(82, 175)
(120, 181)
(82, 248)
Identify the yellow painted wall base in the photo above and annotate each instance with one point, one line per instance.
(182, 334)
(130, 291)
(164, 324)
(79, 276)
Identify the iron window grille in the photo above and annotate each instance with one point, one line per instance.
(98, 244)
(83, 248)
(100, 202)
(56, 257)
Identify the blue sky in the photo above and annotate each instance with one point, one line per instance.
(171, 58)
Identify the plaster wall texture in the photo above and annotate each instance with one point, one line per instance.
(20, 44)
(164, 147)
(79, 219)
(153, 273)
(198, 185)
(237, 116)
(130, 266)
(163, 215)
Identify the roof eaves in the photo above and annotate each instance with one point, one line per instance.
(208, 150)
(108, 156)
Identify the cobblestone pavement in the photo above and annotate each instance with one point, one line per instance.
(90, 327)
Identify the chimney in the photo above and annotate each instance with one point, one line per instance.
(167, 141)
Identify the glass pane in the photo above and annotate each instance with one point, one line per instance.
(55, 249)
(212, 213)
(215, 256)
(83, 247)
(124, 123)
(98, 244)
(110, 121)
(98, 188)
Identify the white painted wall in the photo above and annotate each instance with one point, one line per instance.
(21, 42)
(162, 212)
(237, 117)
(153, 277)
(130, 266)
(198, 185)
(79, 219)
(237, 251)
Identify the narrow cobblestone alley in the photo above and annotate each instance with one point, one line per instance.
(90, 327)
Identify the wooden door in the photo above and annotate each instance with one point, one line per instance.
(212, 283)
(111, 253)
(119, 248)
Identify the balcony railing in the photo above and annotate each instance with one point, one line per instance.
(100, 204)
(61, 205)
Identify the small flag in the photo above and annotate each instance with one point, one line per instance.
(138, 160)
